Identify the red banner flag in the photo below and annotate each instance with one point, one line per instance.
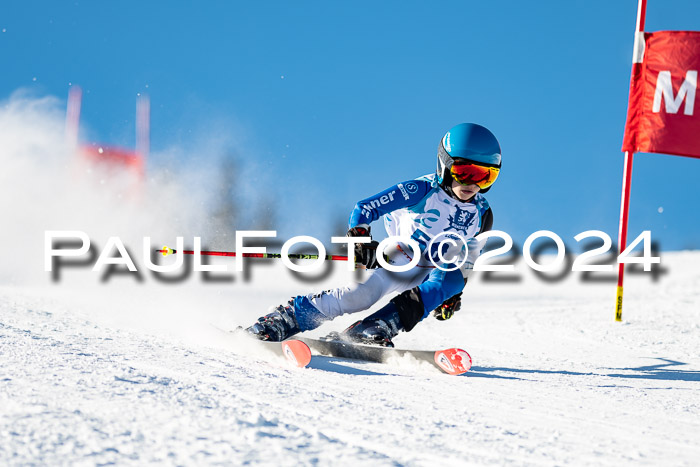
(664, 109)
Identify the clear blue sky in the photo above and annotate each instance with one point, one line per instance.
(342, 99)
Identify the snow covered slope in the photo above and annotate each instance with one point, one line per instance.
(134, 374)
(129, 369)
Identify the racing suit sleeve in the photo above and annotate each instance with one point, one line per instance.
(399, 196)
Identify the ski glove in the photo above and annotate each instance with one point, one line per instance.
(448, 307)
(365, 253)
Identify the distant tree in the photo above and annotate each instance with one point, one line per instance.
(265, 215)
(238, 205)
(226, 211)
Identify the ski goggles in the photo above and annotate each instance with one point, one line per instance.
(467, 174)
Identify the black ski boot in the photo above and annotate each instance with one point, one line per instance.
(276, 326)
(376, 329)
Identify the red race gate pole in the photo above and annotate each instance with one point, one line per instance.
(637, 58)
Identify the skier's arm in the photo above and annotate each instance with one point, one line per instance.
(398, 196)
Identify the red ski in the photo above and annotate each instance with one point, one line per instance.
(451, 361)
(294, 351)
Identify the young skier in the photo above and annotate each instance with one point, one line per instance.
(449, 205)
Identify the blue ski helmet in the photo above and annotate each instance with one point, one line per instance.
(470, 142)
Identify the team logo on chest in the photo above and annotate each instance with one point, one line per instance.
(462, 219)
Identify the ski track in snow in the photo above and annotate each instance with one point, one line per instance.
(555, 381)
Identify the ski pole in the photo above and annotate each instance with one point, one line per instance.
(169, 251)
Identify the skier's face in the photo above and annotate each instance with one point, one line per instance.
(464, 192)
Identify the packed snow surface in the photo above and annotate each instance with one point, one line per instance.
(135, 372)
(128, 368)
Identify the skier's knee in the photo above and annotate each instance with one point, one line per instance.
(440, 286)
(452, 284)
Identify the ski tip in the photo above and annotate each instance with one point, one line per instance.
(453, 361)
(296, 352)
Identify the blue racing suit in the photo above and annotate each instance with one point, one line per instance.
(420, 210)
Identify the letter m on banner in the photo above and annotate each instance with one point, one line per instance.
(664, 90)
(663, 114)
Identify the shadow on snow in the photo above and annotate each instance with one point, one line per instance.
(652, 372)
(330, 364)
